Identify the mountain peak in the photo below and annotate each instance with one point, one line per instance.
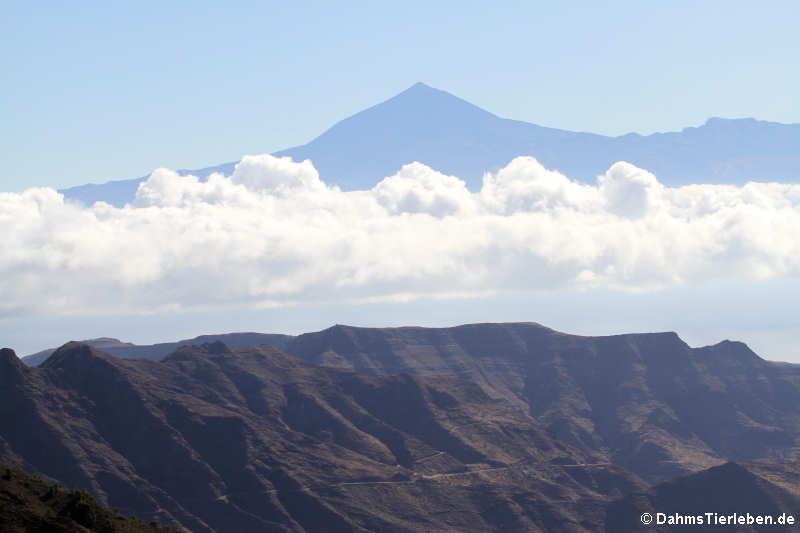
(74, 353)
(420, 86)
(424, 90)
(455, 137)
(431, 105)
(733, 350)
(105, 342)
(11, 366)
(7, 354)
(723, 122)
(207, 348)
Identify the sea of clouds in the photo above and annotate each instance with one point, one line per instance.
(273, 233)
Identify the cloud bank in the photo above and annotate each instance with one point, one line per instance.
(273, 233)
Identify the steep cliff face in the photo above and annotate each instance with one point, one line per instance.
(485, 427)
(648, 402)
(214, 439)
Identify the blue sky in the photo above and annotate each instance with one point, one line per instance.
(96, 91)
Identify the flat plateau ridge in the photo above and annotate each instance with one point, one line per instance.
(483, 427)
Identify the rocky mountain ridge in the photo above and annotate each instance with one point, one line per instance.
(482, 427)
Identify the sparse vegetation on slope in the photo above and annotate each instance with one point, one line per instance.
(29, 503)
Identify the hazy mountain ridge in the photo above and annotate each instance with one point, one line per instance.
(458, 138)
(127, 350)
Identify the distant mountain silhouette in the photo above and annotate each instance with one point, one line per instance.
(455, 137)
(127, 350)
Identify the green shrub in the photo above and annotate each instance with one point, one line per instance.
(52, 491)
(82, 508)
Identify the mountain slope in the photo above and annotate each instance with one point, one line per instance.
(433, 127)
(214, 439)
(455, 137)
(483, 427)
(29, 503)
(649, 401)
(724, 490)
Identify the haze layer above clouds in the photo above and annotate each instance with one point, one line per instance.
(274, 233)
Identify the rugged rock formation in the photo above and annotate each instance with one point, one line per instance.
(485, 427)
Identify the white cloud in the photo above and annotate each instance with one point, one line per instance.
(417, 188)
(630, 191)
(275, 233)
(273, 174)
